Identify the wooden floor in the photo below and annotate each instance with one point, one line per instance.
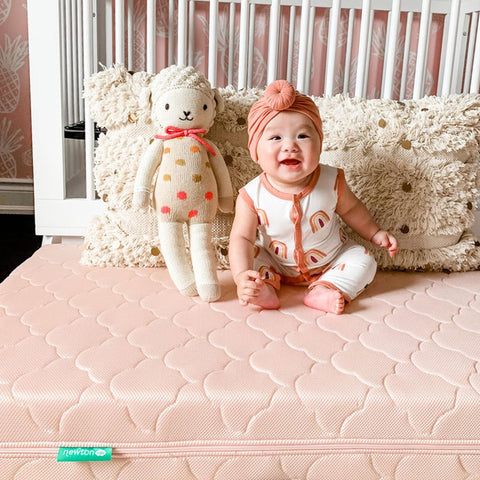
(17, 241)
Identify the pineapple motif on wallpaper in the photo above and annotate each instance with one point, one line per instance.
(9, 142)
(5, 6)
(12, 58)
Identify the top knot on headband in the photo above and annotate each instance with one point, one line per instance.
(280, 95)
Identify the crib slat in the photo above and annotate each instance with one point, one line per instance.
(450, 51)
(308, 63)
(348, 53)
(406, 55)
(88, 70)
(243, 45)
(251, 44)
(171, 30)
(332, 46)
(151, 34)
(231, 42)
(119, 32)
(362, 49)
(475, 83)
(108, 32)
(369, 51)
(291, 40)
(69, 61)
(191, 30)
(81, 113)
(471, 50)
(303, 46)
(391, 49)
(130, 35)
(212, 43)
(76, 60)
(273, 37)
(182, 33)
(418, 86)
(443, 50)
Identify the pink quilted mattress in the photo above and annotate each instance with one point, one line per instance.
(187, 390)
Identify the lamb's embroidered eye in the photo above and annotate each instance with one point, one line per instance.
(205, 107)
(167, 106)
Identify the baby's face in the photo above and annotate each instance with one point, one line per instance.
(289, 151)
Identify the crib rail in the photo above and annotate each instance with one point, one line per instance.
(148, 35)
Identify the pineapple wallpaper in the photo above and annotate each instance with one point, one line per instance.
(15, 134)
(15, 128)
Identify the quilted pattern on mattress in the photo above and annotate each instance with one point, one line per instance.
(188, 390)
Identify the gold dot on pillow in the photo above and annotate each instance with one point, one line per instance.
(197, 178)
(208, 165)
(406, 144)
(382, 123)
(132, 118)
(194, 149)
(406, 187)
(155, 251)
(105, 197)
(404, 229)
(180, 162)
(166, 150)
(167, 177)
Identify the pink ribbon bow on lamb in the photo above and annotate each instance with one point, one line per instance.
(175, 132)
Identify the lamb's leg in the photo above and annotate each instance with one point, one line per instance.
(172, 243)
(204, 262)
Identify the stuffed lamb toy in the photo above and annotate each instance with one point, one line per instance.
(192, 181)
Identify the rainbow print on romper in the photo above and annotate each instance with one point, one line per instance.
(318, 220)
(266, 273)
(313, 257)
(262, 217)
(278, 248)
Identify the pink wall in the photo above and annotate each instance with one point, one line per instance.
(15, 129)
(15, 134)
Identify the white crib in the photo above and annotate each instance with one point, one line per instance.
(71, 39)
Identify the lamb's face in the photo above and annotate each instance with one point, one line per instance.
(184, 108)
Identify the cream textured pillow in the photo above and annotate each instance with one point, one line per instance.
(415, 164)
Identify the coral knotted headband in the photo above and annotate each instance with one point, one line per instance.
(279, 96)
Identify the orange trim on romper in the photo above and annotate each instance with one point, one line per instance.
(296, 217)
(289, 196)
(331, 286)
(248, 199)
(340, 184)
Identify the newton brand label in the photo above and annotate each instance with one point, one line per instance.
(84, 454)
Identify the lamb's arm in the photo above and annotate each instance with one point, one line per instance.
(149, 163)
(224, 182)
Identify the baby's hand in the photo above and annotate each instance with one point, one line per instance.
(385, 240)
(248, 285)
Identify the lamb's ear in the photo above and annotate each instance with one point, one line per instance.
(220, 101)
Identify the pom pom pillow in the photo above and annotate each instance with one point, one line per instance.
(415, 164)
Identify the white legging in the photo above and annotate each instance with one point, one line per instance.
(350, 272)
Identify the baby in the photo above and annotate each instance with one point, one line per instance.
(286, 228)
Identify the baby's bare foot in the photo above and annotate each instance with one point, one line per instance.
(266, 299)
(325, 299)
